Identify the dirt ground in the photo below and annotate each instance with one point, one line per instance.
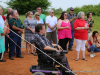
(20, 66)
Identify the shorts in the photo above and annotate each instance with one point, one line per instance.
(51, 35)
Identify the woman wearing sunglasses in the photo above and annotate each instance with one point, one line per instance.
(30, 24)
(37, 17)
(64, 30)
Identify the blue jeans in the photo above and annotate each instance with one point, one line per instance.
(93, 49)
(7, 41)
(17, 40)
(71, 40)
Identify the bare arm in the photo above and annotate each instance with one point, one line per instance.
(72, 19)
(5, 29)
(91, 39)
(48, 25)
(54, 25)
(59, 25)
(50, 48)
(79, 28)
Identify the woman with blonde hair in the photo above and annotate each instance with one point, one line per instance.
(30, 24)
(37, 17)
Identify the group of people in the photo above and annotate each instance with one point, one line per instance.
(61, 31)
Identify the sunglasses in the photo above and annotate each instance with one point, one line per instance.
(31, 14)
(65, 14)
(52, 12)
(72, 10)
(38, 15)
(39, 9)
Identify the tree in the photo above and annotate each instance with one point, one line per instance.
(28, 5)
(4, 10)
(59, 9)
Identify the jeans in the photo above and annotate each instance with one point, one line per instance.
(7, 41)
(93, 49)
(17, 40)
(71, 40)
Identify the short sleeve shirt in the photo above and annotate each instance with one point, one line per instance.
(70, 17)
(2, 46)
(82, 33)
(17, 22)
(1, 22)
(41, 41)
(52, 21)
(42, 16)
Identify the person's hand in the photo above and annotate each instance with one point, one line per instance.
(6, 23)
(7, 35)
(57, 50)
(86, 27)
(53, 30)
(21, 31)
(60, 48)
(33, 30)
(74, 18)
(67, 27)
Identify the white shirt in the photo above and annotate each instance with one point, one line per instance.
(1, 22)
(52, 21)
(40, 21)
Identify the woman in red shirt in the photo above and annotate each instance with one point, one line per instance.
(80, 35)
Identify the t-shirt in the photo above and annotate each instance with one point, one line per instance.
(70, 17)
(52, 21)
(80, 34)
(2, 46)
(42, 16)
(2, 19)
(15, 22)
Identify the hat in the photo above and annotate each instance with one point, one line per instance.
(71, 8)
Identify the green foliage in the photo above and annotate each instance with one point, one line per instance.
(89, 8)
(28, 5)
(4, 10)
(95, 18)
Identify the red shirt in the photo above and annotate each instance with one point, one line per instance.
(3, 17)
(80, 34)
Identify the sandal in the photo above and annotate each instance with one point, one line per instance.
(84, 59)
(77, 59)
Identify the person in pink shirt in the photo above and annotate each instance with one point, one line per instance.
(64, 30)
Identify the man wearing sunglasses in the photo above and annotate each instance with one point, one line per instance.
(42, 16)
(72, 17)
(51, 22)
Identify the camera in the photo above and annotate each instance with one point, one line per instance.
(91, 23)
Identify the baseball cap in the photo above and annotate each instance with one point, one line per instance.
(71, 8)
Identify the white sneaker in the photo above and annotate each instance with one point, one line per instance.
(92, 55)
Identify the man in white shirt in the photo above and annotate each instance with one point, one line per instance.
(51, 22)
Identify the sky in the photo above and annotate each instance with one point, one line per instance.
(64, 4)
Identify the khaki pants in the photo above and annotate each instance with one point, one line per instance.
(51, 36)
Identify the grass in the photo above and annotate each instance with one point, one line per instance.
(95, 18)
